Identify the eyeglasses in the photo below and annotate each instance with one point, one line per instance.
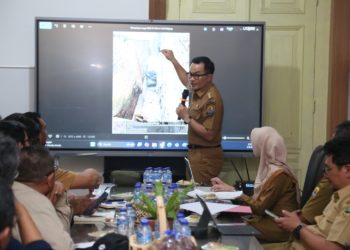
(196, 76)
(327, 169)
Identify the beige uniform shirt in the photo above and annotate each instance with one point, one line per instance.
(44, 216)
(334, 223)
(206, 108)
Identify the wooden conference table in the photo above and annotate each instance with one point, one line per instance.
(81, 232)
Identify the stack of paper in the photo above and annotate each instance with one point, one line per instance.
(215, 208)
(217, 195)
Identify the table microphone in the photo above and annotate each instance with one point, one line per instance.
(185, 94)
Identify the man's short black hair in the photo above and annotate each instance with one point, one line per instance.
(7, 205)
(13, 129)
(209, 66)
(36, 162)
(9, 158)
(31, 126)
(32, 114)
(339, 148)
(343, 129)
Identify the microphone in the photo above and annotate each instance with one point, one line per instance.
(185, 94)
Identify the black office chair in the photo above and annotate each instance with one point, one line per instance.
(315, 172)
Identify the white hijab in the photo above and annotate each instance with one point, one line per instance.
(269, 145)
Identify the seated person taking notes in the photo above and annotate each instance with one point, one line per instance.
(276, 187)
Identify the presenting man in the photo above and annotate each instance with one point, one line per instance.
(204, 117)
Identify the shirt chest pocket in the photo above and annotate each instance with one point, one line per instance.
(204, 110)
(199, 113)
(330, 216)
(195, 113)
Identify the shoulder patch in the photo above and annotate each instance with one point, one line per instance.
(210, 111)
(315, 191)
(347, 212)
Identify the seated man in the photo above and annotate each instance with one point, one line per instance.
(31, 127)
(88, 178)
(17, 131)
(332, 228)
(30, 235)
(323, 191)
(34, 184)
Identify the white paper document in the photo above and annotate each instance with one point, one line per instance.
(218, 195)
(98, 216)
(214, 208)
(84, 244)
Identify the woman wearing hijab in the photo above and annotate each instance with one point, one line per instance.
(275, 186)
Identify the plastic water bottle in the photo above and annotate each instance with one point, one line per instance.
(169, 242)
(167, 176)
(157, 174)
(137, 192)
(149, 190)
(171, 189)
(151, 175)
(131, 215)
(147, 175)
(176, 223)
(144, 232)
(184, 230)
(156, 230)
(122, 222)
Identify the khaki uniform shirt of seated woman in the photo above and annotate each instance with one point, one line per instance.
(276, 186)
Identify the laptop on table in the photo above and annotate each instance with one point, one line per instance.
(240, 229)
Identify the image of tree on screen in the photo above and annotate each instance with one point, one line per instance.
(146, 89)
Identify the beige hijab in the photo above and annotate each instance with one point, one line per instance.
(269, 145)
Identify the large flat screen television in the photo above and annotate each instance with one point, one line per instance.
(104, 87)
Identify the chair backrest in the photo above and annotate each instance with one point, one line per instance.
(315, 171)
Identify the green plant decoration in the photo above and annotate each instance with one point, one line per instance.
(171, 207)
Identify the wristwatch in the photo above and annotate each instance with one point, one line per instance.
(296, 231)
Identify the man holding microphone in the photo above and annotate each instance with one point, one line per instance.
(204, 117)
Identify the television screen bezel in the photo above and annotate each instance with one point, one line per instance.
(147, 152)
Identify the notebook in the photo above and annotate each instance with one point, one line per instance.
(224, 229)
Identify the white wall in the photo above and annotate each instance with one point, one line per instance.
(17, 43)
(17, 49)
